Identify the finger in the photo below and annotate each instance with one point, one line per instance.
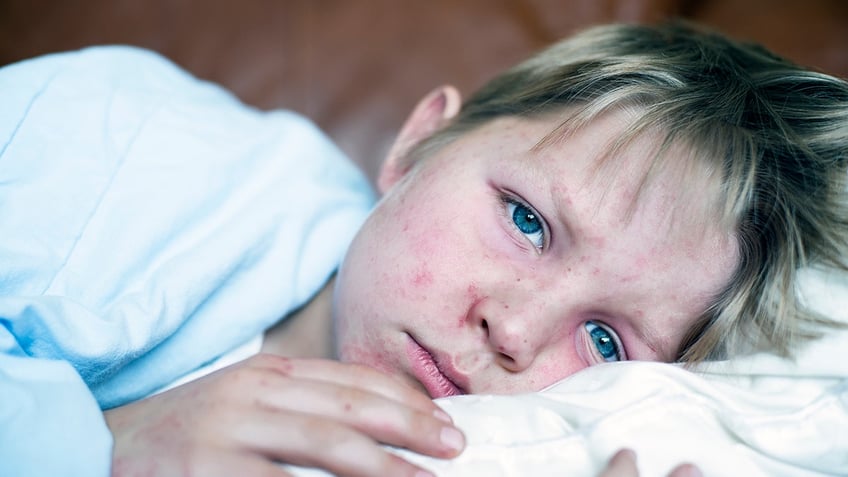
(313, 441)
(353, 375)
(685, 470)
(622, 464)
(382, 419)
(257, 466)
(219, 462)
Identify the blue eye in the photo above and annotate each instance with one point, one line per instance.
(527, 221)
(604, 341)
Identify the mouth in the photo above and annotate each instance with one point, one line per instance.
(427, 371)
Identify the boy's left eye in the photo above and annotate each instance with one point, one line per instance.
(605, 342)
(527, 221)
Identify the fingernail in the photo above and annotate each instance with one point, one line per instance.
(629, 453)
(443, 416)
(452, 438)
(695, 472)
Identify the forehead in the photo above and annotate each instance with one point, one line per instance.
(624, 169)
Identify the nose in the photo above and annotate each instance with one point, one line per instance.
(514, 337)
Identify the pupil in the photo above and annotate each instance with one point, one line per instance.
(525, 220)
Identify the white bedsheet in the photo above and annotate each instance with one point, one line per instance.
(754, 416)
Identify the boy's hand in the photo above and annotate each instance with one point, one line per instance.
(623, 464)
(244, 419)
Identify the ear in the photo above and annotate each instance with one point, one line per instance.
(430, 114)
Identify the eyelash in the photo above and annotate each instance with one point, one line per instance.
(511, 204)
(618, 348)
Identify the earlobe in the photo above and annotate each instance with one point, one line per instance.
(430, 114)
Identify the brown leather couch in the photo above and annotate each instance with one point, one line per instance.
(358, 66)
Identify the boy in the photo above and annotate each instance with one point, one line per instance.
(631, 193)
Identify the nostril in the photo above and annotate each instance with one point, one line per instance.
(509, 360)
(485, 326)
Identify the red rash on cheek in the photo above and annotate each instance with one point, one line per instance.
(422, 277)
(473, 293)
(460, 323)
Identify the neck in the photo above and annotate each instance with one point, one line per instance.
(306, 332)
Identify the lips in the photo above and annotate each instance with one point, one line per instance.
(426, 369)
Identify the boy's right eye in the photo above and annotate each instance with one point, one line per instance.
(528, 222)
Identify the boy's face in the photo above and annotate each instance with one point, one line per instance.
(497, 267)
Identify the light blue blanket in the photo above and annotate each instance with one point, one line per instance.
(149, 222)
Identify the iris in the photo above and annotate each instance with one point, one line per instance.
(526, 220)
(604, 342)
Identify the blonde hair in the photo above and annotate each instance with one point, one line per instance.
(775, 133)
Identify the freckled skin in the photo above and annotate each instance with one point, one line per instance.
(440, 260)
(422, 278)
(372, 357)
(283, 366)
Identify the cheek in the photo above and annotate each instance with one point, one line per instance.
(422, 277)
(430, 256)
(373, 356)
(560, 362)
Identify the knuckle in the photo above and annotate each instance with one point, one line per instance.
(274, 362)
(354, 396)
(243, 384)
(317, 428)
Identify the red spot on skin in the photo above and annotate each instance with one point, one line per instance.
(473, 299)
(347, 407)
(422, 277)
(279, 364)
